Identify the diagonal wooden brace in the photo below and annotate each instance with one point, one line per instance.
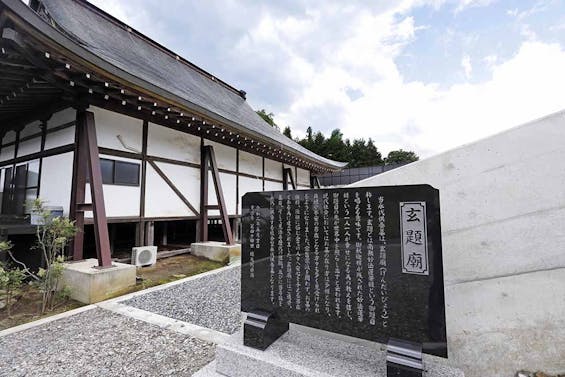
(87, 160)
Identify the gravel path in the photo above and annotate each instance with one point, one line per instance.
(100, 343)
(212, 301)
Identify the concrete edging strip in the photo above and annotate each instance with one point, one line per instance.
(156, 319)
(42, 321)
(171, 324)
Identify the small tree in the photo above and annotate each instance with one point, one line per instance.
(10, 279)
(52, 237)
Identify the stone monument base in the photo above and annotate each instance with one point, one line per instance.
(216, 251)
(305, 352)
(90, 284)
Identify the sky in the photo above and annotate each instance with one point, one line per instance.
(421, 75)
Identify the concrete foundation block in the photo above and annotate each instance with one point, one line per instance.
(90, 284)
(216, 251)
(300, 353)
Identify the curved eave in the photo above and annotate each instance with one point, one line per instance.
(30, 22)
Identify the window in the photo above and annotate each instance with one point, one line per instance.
(126, 173)
(119, 173)
(107, 167)
(19, 187)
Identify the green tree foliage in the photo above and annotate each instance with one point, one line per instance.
(11, 280)
(287, 132)
(400, 156)
(267, 117)
(356, 153)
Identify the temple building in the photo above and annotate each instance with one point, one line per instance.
(136, 144)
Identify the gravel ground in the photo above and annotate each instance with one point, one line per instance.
(100, 343)
(211, 301)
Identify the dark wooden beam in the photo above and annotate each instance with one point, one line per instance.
(88, 155)
(204, 169)
(141, 225)
(237, 181)
(33, 156)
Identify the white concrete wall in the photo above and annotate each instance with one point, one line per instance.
(503, 229)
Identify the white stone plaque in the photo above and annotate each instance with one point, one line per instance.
(414, 238)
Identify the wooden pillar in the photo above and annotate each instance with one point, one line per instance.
(164, 234)
(87, 159)
(208, 161)
(140, 240)
(263, 174)
(204, 168)
(287, 174)
(149, 233)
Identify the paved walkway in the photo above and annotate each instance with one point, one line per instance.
(169, 330)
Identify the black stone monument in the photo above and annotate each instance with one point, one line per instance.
(364, 262)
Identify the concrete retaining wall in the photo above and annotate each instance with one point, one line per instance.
(503, 227)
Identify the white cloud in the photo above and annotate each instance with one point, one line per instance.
(304, 63)
(523, 88)
(490, 60)
(466, 65)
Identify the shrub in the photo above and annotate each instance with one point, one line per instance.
(53, 235)
(10, 279)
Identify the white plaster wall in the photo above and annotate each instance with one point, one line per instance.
(225, 156)
(176, 145)
(250, 164)
(502, 212)
(59, 138)
(273, 186)
(273, 169)
(7, 153)
(228, 187)
(110, 125)
(62, 117)
(161, 200)
(120, 201)
(303, 178)
(29, 146)
(56, 180)
(9, 137)
(30, 129)
(249, 185)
